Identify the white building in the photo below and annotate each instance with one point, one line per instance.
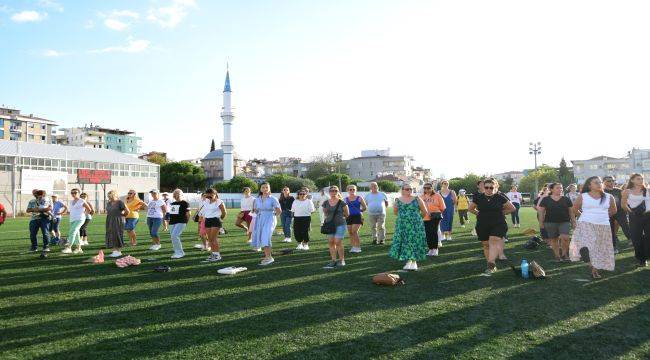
(29, 128)
(515, 175)
(619, 168)
(378, 164)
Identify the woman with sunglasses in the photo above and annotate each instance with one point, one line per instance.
(491, 208)
(214, 211)
(435, 206)
(356, 206)
(265, 210)
(336, 211)
(451, 199)
(409, 241)
(77, 210)
(592, 238)
(556, 216)
(302, 208)
(134, 204)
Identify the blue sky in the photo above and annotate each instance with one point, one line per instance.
(447, 82)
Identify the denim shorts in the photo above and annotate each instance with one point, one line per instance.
(130, 224)
(340, 231)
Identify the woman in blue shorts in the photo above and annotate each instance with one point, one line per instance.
(336, 211)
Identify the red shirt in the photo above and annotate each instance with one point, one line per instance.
(2, 217)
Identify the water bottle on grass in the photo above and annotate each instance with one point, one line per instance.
(524, 268)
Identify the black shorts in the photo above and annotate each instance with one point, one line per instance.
(485, 230)
(212, 223)
(354, 220)
(168, 216)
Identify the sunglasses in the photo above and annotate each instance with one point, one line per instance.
(488, 187)
(427, 187)
(301, 194)
(334, 191)
(407, 189)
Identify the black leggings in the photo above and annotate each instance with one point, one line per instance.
(640, 236)
(84, 227)
(301, 226)
(431, 230)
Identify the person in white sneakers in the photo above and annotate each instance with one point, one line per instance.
(435, 206)
(356, 206)
(89, 217)
(77, 209)
(179, 215)
(265, 208)
(116, 210)
(377, 202)
(156, 211)
(244, 216)
(214, 211)
(410, 240)
(516, 200)
(302, 209)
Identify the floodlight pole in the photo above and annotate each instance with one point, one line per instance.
(535, 148)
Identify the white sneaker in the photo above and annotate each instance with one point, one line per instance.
(268, 261)
(287, 240)
(85, 242)
(155, 247)
(408, 265)
(258, 249)
(434, 252)
(213, 258)
(449, 238)
(66, 250)
(249, 241)
(198, 246)
(474, 232)
(463, 226)
(300, 247)
(341, 263)
(77, 251)
(177, 256)
(414, 266)
(305, 247)
(355, 250)
(115, 254)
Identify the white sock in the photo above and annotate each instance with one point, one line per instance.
(215, 253)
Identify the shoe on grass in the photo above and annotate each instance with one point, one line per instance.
(115, 254)
(177, 256)
(213, 258)
(340, 263)
(46, 249)
(330, 265)
(198, 246)
(266, 262)
(300, 247)
(287, 240)
(77, 251)
(305, 247)
(434, 252)
(155, 247)
(66, 250)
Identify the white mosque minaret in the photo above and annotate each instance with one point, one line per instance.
(226, 145)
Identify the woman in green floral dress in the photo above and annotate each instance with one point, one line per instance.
(409, 240)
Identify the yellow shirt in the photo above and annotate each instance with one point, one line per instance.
(463, 202)
(133, 206)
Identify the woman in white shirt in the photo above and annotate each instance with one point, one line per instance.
(515, 198)
(77, 209)
(213, 212)
(592, 238)
(156, 210)
(636, 202)
(244, 216)
(302, 208)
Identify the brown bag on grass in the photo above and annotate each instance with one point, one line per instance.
(387, 279)
(538, 271)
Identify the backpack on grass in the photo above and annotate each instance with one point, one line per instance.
(387, 279)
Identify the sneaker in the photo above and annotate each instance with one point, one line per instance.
(198, 246)
(305, 247)
(287, 240)
(430, 253)
(474, 232)
(341, 263)
(439, 243)
(33, 249)
(463, 226)
(408, 265)
(249, 241)
(355, 250)
(488, 272)
(266, 262)
(177, 256)
(258, 249)
(46, 249)
(300, 247)
(213, 258)
(154, 247)
(115, 254)
(330, 265)
(434, 252)
(77, 251)
(85, 242)
(414, 266)
(66, 250)
(505, 239)
(450, 238)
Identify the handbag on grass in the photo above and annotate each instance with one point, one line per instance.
(329, 227)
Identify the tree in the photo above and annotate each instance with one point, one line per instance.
(182, 175)
(212, 146)
(564, 174)
(544, 174)
(317, 170)
(294, 184)
(333, 179)
(468, 182)
(387, 186)
(236, 185)
(506, 183)
(157, 159)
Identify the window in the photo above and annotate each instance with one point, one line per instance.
(30, 125)
(593, 167)
(43, 127)
(43, 137)
(2, 133)
(31, 137)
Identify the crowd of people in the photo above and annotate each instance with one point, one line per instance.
(579, 224)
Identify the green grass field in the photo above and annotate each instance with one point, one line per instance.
(62, 308)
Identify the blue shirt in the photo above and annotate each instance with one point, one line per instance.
(376, 203)
(56, 207)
